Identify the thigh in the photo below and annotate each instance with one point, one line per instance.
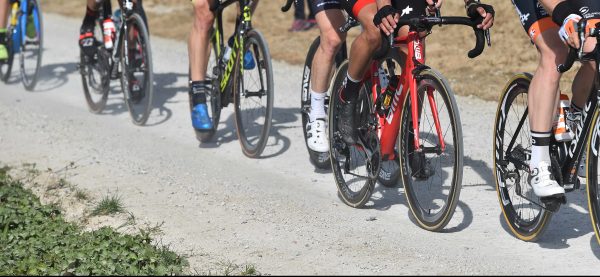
(324, 5)
(534, 18)
(354, 7)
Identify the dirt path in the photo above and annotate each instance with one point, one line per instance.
(277, 212)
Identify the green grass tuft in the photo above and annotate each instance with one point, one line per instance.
(109, 205)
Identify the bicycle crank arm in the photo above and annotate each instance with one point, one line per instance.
(431, 150)
(259, 93)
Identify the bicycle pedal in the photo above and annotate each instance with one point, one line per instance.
(553, 203)
(569, 187)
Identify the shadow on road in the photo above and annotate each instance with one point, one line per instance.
(165, 89)
(484, 171)
(277, 143)
(570, 222)
(54, 76)
(595, 247)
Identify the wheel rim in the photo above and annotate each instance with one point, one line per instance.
(354, 175)
(430, 176)
(31, 50)
(524, 216)
(253, 99)
(137, 70)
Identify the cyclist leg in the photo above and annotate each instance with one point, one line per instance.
(361, 54)
(543, 93)
(199, 50)
(329, 18)
(583, 82)
(86, 32)
(4, 9)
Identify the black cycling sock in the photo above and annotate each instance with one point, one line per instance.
(575, 108)
(198, 91)
(3, 37)
(351, 89)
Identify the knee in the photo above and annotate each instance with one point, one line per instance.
(331, 42)
(373, 36)
(550, 58)
(203, 17)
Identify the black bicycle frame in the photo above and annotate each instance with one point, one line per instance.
(573, 150)
(237, 49)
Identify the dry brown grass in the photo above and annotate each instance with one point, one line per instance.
(484, 76)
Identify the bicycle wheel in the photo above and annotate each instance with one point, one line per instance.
(253, 95)
(432, 176)
(136, 65)
(32, 46)
(6, 66)
(213, 98)
(354, 167)
(526, 219)
(95, 75)
(593, 182)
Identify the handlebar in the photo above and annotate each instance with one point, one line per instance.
(575, 53)
(287, 6)
(426, 23)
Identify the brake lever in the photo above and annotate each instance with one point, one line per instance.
(488, 37)
(581, 38)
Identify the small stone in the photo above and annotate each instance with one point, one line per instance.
(371, 218)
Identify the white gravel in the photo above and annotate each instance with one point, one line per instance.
(278, 213)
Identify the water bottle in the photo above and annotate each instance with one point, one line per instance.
(390, 91)
(108, 27)
(227, 52)
(562, 130)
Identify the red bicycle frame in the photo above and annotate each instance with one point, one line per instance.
(389, 124)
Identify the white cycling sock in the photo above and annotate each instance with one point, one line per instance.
(540, 151)
(317, 105)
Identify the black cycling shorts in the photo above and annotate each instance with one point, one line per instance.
(536, 20)
(407, 8)
(322, 5)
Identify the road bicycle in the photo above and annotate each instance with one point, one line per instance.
(24, 37)
(405, 105)
(319, 159)
(244, 76)
(130, 61)
(526, 214)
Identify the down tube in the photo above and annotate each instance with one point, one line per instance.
(391, 125)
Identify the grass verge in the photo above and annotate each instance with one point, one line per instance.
(36, 240)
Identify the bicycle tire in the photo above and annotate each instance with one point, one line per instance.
(214, 98)
(346, 162)
(253, 142)
(30, 80)
(139, 109)
(530, 229)
(6, 67)
(419, 178)
(95, 76)
(592, 180)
